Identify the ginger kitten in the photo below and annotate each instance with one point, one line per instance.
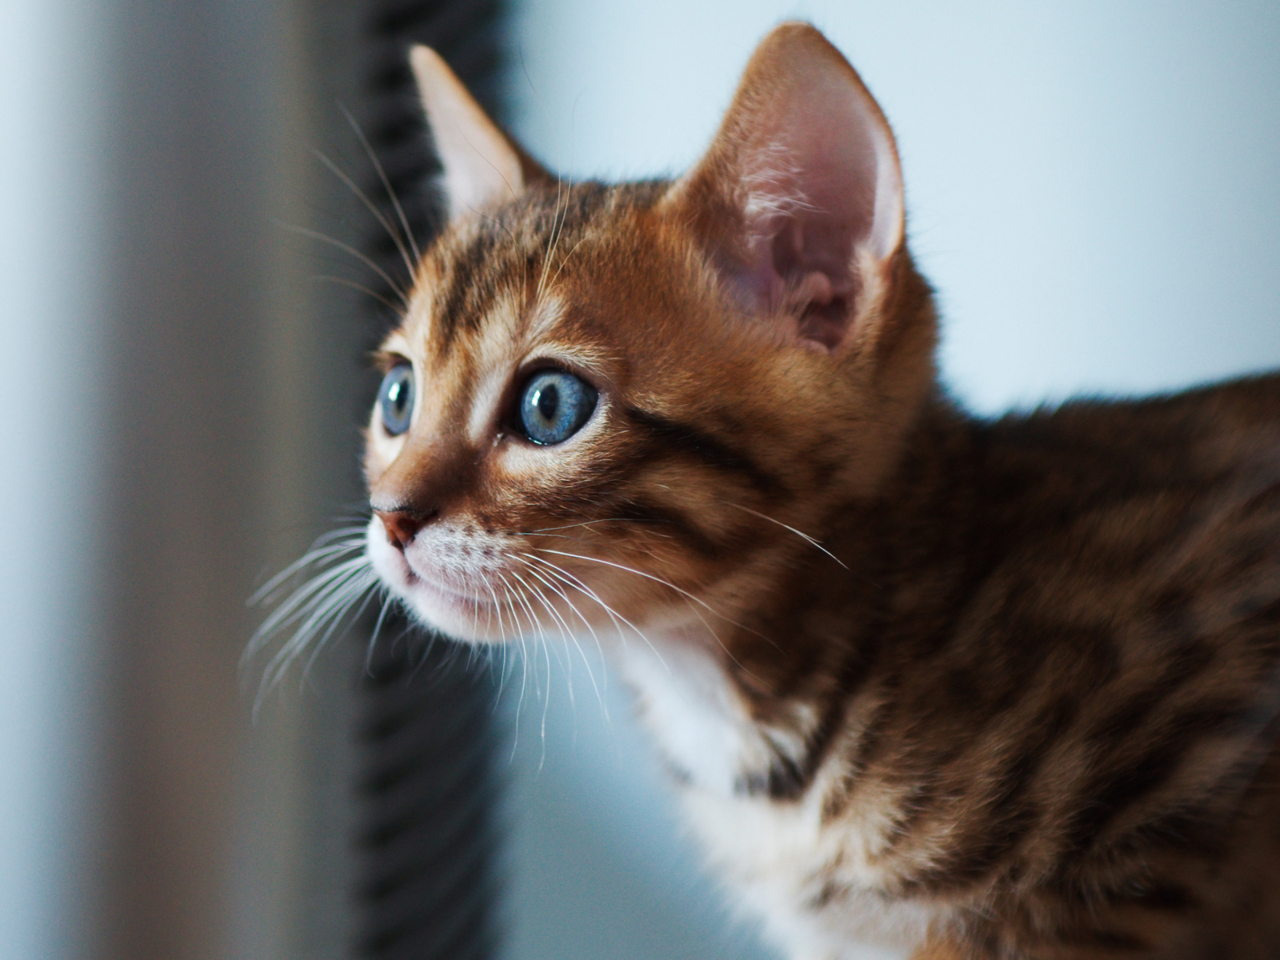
(984, 689)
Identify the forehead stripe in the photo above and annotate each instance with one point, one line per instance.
(472, 282)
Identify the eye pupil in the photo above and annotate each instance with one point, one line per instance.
(554, 406)
(548, 400)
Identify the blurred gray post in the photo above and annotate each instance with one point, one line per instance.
(224, 383)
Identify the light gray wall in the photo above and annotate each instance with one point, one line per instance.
(1093, 187)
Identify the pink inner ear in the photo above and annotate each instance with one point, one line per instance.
(819, 183)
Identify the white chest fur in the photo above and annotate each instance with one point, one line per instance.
(813, 883)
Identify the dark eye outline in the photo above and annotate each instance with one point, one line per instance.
(393, 425)
(582, 417)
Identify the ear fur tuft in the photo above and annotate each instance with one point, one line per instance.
(799, 198)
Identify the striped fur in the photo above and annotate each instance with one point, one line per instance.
(987, 689)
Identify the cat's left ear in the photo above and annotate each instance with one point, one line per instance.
(798, 201)
(482, 166)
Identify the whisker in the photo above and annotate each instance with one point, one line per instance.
(524, 655)
(567, 665)
(566, 259)
(553, 239)
(322, 547)
(322, 613)
(547, 253)
(541, 599)
(688, 596)
(571, 634)
(335, 601)
(386, 184)
(330, 278)
(317, 646)
(545, 695)
(297, 605)
(588, 523)
(558, 229)
(799, 533)
(377, 627)
(573, 581)
(655, 579)
(347, 248)
(369, 204)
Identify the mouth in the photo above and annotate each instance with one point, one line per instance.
(464, 610)
(448, 596)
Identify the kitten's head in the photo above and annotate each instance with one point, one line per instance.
(614, 406)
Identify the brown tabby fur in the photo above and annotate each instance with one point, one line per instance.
(1034, 686)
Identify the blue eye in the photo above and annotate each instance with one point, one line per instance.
(395, 397)
(554, 406)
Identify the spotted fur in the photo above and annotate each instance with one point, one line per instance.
(986, 689)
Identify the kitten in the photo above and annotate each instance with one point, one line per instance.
(981, 689)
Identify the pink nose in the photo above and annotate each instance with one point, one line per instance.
(401, 525)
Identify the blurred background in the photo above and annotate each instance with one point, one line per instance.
(1094, 188)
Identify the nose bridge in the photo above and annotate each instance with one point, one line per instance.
(430, 475)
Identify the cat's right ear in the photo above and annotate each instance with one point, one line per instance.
(798, 201)
(482, 166)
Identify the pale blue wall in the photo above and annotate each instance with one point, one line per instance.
(1094, 188)
(53, 67)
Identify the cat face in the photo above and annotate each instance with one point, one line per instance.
(615, 407)
(583, 423)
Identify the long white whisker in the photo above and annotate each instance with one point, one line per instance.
(334, 602)
(799, 533)
(558, 231)
(377, 627)
(565, 633)
(317, 646)
(542, 277)
(301, 601)
(567, 664)
(330, 278)
(659, 580)
(323, 547)
(321, 615)
(372, 208)
(575, 582)
(524, 655)
(567, 257)
(541, 599)
(553, 241)
(524, 603)
(386, 184)
(347, 248)
(688, 596)
(545, 695)
(588, 523)
(497, 608)
(571, 634)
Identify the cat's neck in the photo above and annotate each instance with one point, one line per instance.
(743, 700)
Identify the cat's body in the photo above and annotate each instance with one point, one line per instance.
(986, 689)
(1056, 684)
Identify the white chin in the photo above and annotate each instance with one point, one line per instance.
(454, 614)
